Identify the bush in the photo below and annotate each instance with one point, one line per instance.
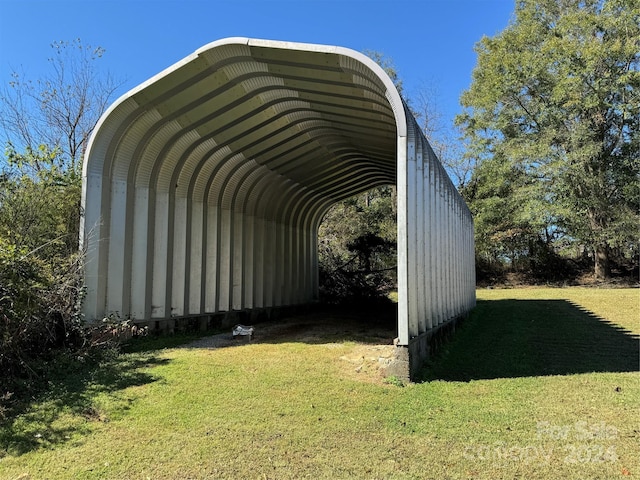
(353, 287)
(365, 278)
(41, 325)
(357, 249)
(38, 310)
(40, 268)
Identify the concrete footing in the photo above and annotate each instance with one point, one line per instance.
(409, 359)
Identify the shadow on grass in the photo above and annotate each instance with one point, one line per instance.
(521, 338)
(336, 324)
(34, 419)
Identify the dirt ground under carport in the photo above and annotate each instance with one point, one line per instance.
(370, 331)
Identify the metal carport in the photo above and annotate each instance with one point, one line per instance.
(203, 188)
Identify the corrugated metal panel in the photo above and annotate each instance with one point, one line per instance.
(202, 172)
(152, 151)
(172, 157)
(110, 123)
(215, 54)
(235, 181)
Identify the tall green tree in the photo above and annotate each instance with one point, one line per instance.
(557, 96)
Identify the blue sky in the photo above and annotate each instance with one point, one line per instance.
(430, 41)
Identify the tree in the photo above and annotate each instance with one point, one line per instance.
(357, 247)
(40, 274)
(557, 96)
(510, 232)
(61, 109)
(444, 138)
(40, 207)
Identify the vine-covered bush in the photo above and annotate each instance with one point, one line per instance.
(38, 313)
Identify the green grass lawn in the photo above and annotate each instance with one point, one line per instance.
(537, 384)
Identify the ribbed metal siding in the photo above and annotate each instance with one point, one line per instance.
(205, 186)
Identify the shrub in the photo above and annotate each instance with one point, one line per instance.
(38, 309)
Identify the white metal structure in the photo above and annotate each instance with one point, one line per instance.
(203, 188)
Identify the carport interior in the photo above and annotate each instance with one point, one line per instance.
(205, 186)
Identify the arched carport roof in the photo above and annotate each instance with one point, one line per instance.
(323, 119)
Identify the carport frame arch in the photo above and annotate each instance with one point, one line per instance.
(317, 123)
